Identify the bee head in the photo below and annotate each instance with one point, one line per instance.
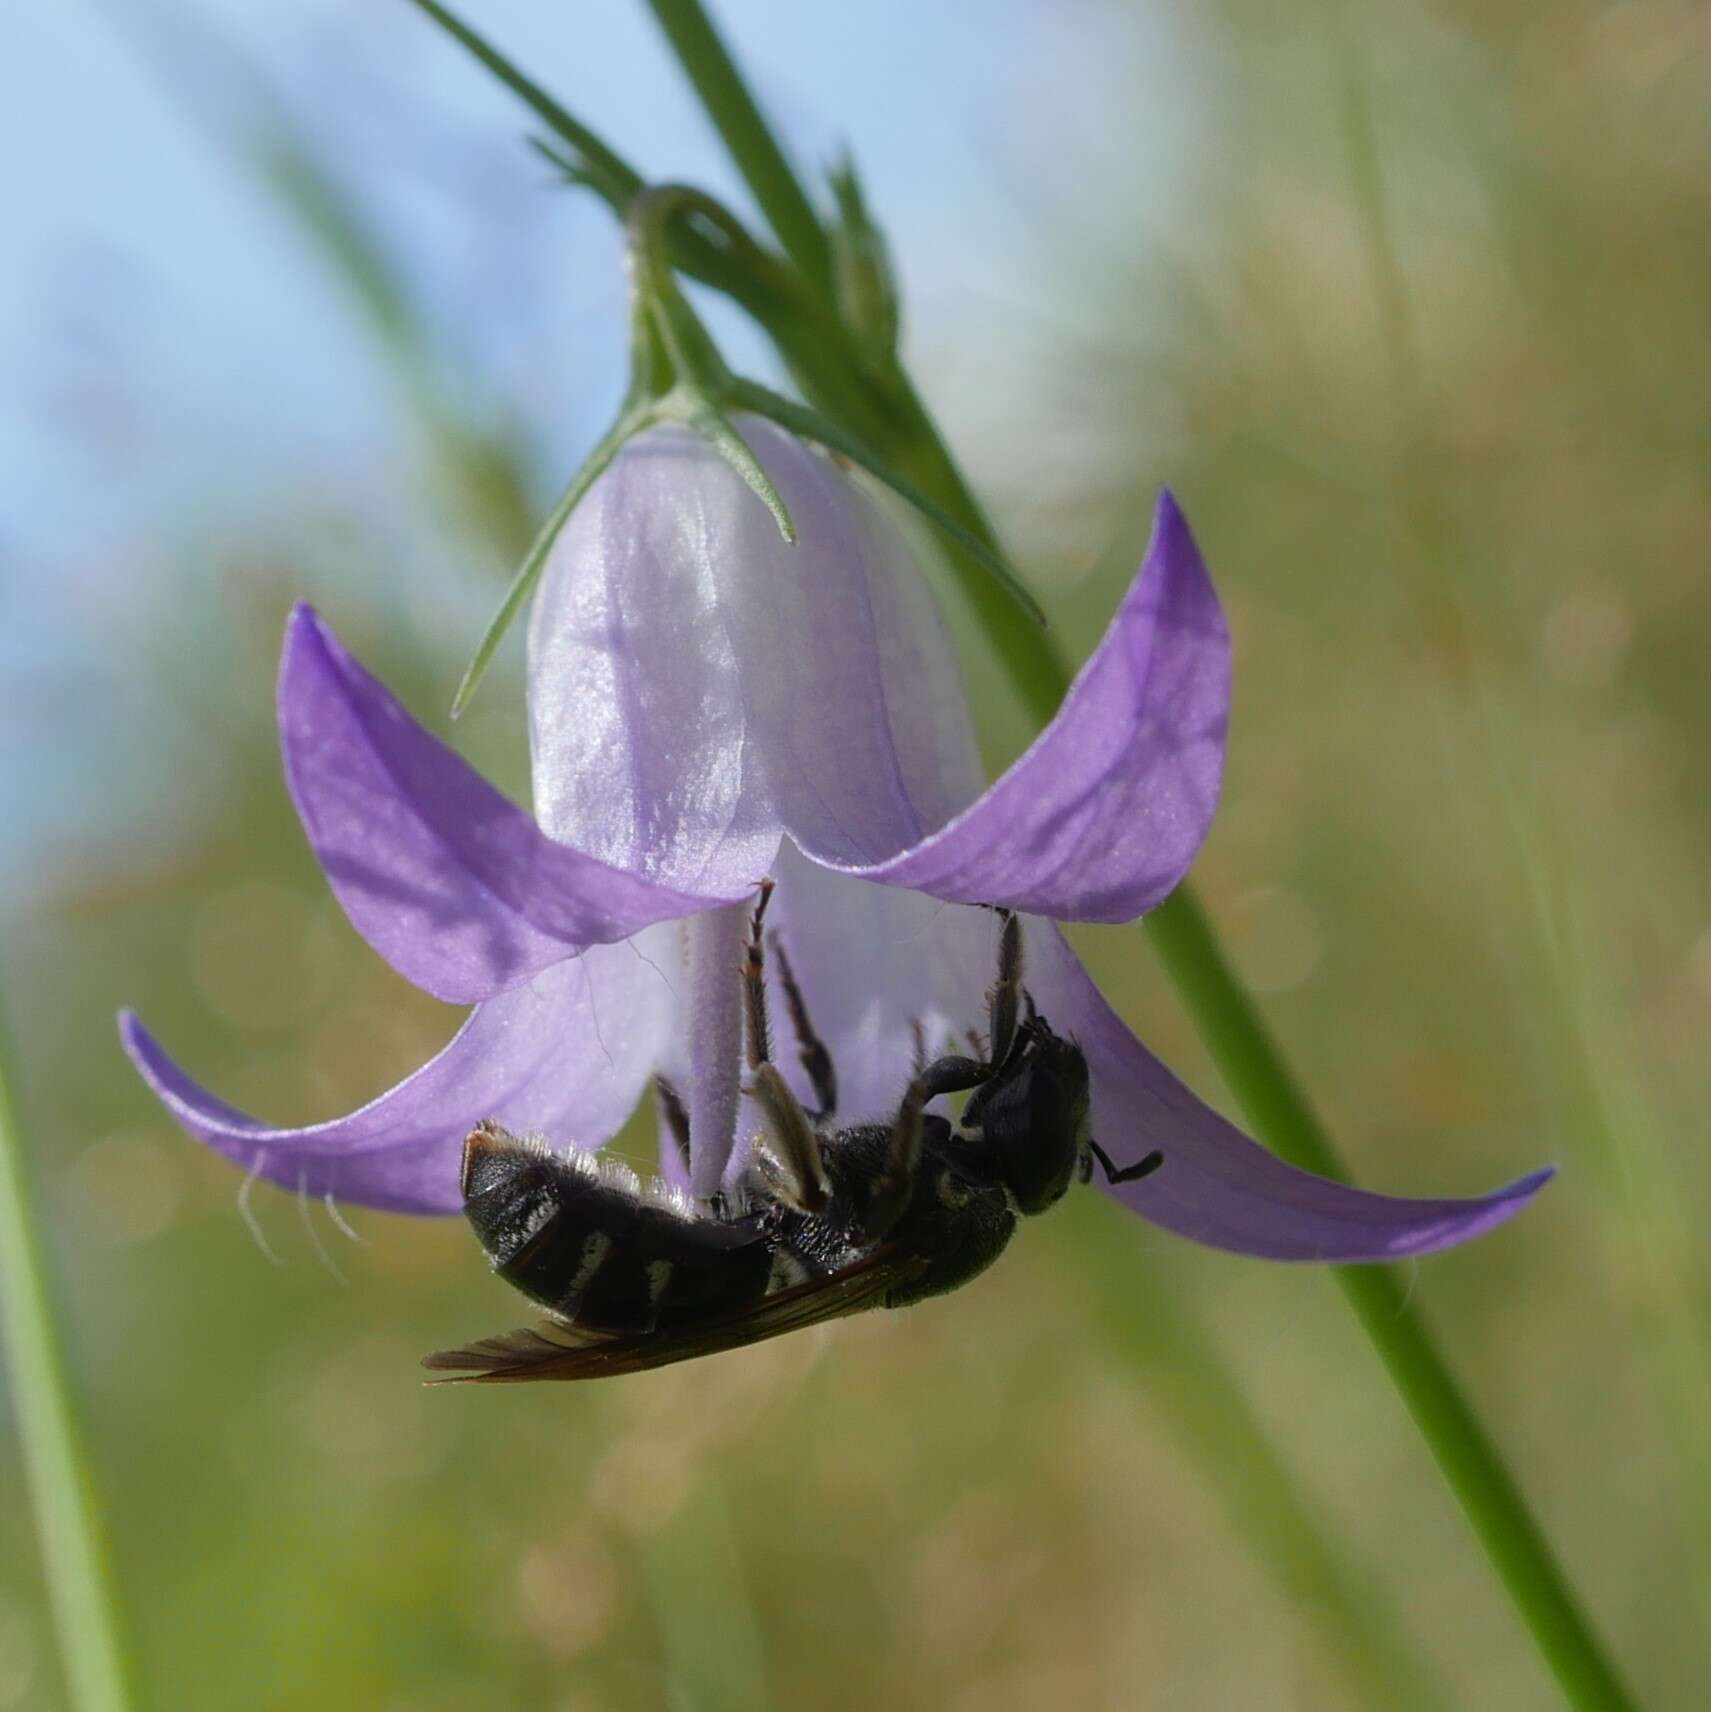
(1035, 1117)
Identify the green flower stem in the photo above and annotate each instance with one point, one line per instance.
(1443, 582)
(1250, 1062)
(1173, 1360)
(55, 1467)
(1224, 1013)
(746, 134)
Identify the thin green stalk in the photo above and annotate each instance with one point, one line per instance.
(66, 1509)
(1250, 1062)
(748, 136)
(1176, 1364)
(1658, 1230)
(712, 1645)
(1229, 1021)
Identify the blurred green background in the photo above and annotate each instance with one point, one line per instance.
(1409, 305)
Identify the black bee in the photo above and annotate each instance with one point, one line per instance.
(825, 1223)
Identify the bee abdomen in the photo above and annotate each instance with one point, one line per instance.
(585, 1239)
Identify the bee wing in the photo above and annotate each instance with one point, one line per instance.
(556, 1351)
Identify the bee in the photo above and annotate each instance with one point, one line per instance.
(824, 1222)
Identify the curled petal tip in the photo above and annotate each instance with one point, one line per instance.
(302, 624)
(565, 1055)
(1525, 1188)
(309, 644)
(1103, 814)
(1218, 1187)
(145, 1052)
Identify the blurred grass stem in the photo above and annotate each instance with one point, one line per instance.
(1596, 1099)
(1470, 1461)
(713, 1647)
(1173, 1362)
(1226, 1017)
(68, 1524)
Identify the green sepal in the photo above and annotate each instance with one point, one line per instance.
(682, 407)
(677, 376)
(569, 168)
(713, 426)
(629, 424)
(699, 380)
(862, 276)
(809, 424)
(735, 450)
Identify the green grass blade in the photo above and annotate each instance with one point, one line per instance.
(56, 1467)
(744, 130)
(1472, 1466)
(605, 170)
(528, 574)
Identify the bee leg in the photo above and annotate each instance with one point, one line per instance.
(889, 1191)
(801, 1176)
(817, 1062)
(1126, 1173)
(1011, 1015)
(1006, 999)
(675, 1116)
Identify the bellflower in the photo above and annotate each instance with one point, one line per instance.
(709, 707)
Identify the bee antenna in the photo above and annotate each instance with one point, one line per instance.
(1127, 1173)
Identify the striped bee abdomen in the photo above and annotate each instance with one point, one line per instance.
(586, 1239)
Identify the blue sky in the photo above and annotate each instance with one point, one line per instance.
(167, 335)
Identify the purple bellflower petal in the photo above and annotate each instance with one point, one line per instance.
(709, 706)
(453, 885)
(565, 1055)
(1102, 816)
(872, 962)
(698, 688)
(1216, 1187)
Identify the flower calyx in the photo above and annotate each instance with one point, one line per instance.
(679, 378)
